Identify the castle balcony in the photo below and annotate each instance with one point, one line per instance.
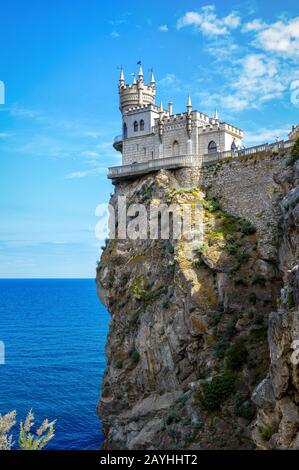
(117, 173)
(118, 143)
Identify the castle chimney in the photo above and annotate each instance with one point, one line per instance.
(170, 108)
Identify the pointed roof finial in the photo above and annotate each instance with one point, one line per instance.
(152, 79)
(216, 115)
(140, 73)
(189, 105)
(161, 107)
(121, 76)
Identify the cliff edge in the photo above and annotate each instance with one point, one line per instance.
(188, 364)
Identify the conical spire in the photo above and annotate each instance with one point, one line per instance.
(152, 79)
(161, 107)
(216, 115)
(140, 73)
(121, 77)
(189, 105)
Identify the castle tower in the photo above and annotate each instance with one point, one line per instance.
(137, 93)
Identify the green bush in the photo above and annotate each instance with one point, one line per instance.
(119, 365)
(168, 247)
(294, 154)
(237, 354)
(220, 348)
(246, 227)
(290, 300)
(134, 355)
(240, 282)
(244, 409)
(266, 432)
(252, 297)
(259, 280)
(172, 418)
(243, 257)
(215, 317)
(216, 392)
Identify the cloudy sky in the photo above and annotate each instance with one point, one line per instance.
(59, 61)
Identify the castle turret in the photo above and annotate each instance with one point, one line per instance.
(136, 94)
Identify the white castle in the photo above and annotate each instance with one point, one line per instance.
(154, 138)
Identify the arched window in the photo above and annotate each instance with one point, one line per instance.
(142, 125)
(212, 148)
(175, 148)
(135, 126)
(125, 131)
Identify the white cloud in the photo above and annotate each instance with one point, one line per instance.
(83, 174)
(115, 34)
(281, 37)
(254, 25)
(172, 82)
(255, 79)
(163, 28)
(266, 135)
(208, 23)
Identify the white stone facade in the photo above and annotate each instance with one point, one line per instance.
(151, 132)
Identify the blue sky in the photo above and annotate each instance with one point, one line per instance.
(59, 62)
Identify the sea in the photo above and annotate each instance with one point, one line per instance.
(54, 332)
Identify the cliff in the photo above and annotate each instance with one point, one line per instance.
(188, 362)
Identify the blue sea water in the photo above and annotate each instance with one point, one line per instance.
(54, 333)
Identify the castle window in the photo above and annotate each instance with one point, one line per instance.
(125, 131)
(135, 126)
(175, 148)
(142, 125)
(144, 151)
(212, 148)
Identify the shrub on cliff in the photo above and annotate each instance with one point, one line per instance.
(28, 440)
(294, 154)
(237, 354)
(214, 393)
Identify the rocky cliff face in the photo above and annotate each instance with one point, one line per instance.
(277, 396)
(187, 345)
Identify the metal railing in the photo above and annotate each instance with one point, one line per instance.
(181, 161)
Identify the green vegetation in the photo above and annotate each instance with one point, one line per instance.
(294, 154)
(290, 300)
(144, 194)
(252, 297)
(244, 409)
(243, 257)
(259, 280)
(143, 291)
(266, 432)
(220, 347)
(217, 391)
(214, 317)
(246, 227)
(172, 418)
(240, 282)
(237, 354)
(134, 355)
(167, 247)
(119, 365)
(28, 440)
